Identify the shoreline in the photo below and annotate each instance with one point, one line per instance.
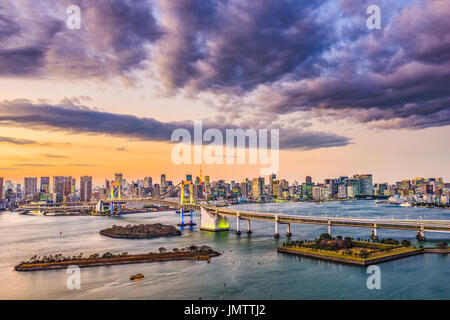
(136, 258)
(126, 236)
(360, 261)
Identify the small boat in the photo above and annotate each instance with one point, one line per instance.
(137, 276)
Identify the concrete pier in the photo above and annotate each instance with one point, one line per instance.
(238, 223)
(276, 234)
(288, 231)
(249, 231)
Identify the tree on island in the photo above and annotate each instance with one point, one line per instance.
(406, 243)
(162, 250)
(325, 236)
(442, 245)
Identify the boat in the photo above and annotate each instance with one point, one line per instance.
(406, 204)
(137, 276)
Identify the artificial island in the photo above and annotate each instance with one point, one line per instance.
(357, 252)
(141, 231)
(59, 261)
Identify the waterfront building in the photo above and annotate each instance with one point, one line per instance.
(258, 189)
(308, 179)
(85, 188)
(148, 183)
(118, 178)
(1, 188)
(317, 193)
(45, 185)
(365, 184)
(162, 186)
(31, 188)
(342, 191)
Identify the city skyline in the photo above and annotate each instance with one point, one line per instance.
(345, 98)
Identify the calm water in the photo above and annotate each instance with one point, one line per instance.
(250, 267)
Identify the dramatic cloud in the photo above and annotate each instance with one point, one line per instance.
(239, 44)
(113, 40)
(261, 58)
(80, 119)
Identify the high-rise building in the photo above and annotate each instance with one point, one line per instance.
(85, 188)
(148, 183)
(365, 184)
(189, 177)
(30, 187)
(163, 182)
(118, 178)
(308, 179)
(258, 188)
(1, 188)
(45, 185)
(58, 185)
(207, 180)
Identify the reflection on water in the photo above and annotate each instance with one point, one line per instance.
(250, 267)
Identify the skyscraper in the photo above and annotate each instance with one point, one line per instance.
(118, 178)
(189, 177)
(148, 183)
(30, 187)
(1, 188)
(58, 185)
(308, 179)
(365, 184)
(45, 184)
(85, 188)
(258, 188)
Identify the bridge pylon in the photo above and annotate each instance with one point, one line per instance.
(213, 221)
(185, 202)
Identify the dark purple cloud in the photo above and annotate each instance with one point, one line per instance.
(113, 40)
(239, 44)
(83, 120)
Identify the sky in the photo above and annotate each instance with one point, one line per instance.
(106, 98)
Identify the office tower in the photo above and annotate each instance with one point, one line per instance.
(163, 182)
(207, 180)
(342, 191)
(107, 185)
(1, 188)
(45, 185)
(30, 187)
(58, 185)
(85, 188)
(189, 177)
(352, 188)
(118, 178)
(258, 188)
(244, 189)
(308, 179)
(148, 183)
(366, 185)
(67, 186)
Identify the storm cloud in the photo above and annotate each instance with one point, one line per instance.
(83, 120)
(265, 58)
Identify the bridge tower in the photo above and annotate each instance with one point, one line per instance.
(185, 201)
(116, 197)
